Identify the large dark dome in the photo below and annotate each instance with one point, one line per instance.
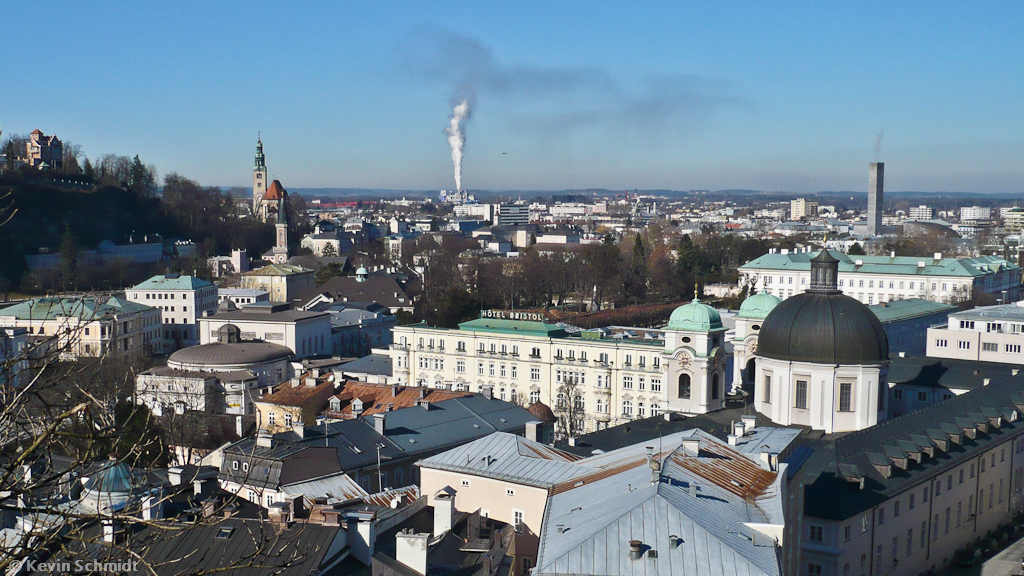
(823, 325)
(824, 328)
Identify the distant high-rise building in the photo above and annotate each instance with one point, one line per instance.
(975, 213)
(802, 208)
(920, 213)
(517, 214)
(875, 187)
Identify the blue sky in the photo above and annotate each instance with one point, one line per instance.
(680, 95)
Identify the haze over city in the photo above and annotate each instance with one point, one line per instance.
(666, 95)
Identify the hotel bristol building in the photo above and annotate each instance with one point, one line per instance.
(619, 373)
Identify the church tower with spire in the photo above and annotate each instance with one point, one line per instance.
(280, 251)
(259, 177)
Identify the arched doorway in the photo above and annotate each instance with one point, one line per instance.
(750, 371)
(716, 387)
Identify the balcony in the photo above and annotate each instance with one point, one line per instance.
(402, 347)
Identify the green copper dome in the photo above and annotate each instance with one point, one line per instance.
(695, 317)
(758, 305)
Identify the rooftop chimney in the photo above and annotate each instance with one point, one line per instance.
(264, 439)
(876, 177)
(692, 445)
(174, 475)
(411, 550)
(636, 549)
(299, 427)
(532, 429)
(487, 391)
(380, 422)
(444, 513)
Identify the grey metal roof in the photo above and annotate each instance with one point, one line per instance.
(453, 422)
(377, 364)
(1013, 311)
(225, 354)
(587, 529)
(336, 488)
(509, 457)
(354, 440)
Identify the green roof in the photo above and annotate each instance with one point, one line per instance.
(695, 317)
(86, 308)
(514, 327)
(907, 265)
(758, 305)
(172, 282)
(906, 309)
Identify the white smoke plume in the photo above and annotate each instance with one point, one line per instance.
(457, 137)
(878, 145)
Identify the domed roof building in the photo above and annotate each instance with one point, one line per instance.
(268, 362)
(110, 489)
(754, 309)
(696, 359)
(822, 358)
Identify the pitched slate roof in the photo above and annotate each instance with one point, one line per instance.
(945, 372)
(377, 364)
(833, 471)
(452, 422)
(381, 289)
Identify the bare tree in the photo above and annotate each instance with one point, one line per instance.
(569, 408)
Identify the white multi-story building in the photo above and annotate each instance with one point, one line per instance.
(920, 213)
(987, 333)
(874, 279)
(975, 213)
(570, 210)
(305, 333)
(613, 376)
(182, 300)
(88, 326)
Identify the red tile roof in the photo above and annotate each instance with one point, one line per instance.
(380, 398)
(275, 192)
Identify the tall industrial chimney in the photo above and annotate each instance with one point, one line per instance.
(875, 187)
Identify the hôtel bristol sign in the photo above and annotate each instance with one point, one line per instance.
(512, 315)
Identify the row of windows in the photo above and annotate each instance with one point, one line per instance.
(460, 346)
(892, 284)
(800, 398)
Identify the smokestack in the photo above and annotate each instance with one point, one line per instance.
(457, 138)
(875, 187)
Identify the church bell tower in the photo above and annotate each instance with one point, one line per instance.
(259, 177)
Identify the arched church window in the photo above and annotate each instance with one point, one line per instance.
(627, 408)
(684, 386)
(715, 392)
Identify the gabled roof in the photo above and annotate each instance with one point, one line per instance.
(899, 310)
(289, 394)
(707, 499)
(275, 191)
(278, 270)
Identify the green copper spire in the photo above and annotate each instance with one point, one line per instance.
(260, 160)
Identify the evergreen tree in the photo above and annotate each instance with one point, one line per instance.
(138, 177)
(636, 283)
(89, 171)
(856, 250)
